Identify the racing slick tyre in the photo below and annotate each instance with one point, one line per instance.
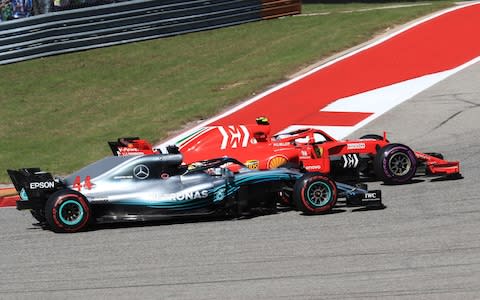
(315, 193)
(395, 164)
(67, 211)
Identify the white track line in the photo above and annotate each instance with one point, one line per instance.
(174, 139)
(379, 101)
(362, 10)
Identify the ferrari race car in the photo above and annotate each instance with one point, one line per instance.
(157, 186)
(310, 149)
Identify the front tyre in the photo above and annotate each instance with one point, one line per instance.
(67, 211)
(395, 164)
(315, 193)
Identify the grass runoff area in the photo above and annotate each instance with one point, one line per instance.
(57, 113)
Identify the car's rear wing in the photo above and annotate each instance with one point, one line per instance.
(32, 183)
(136, 146)
(130, 146)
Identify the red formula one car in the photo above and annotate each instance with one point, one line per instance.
(309, 149)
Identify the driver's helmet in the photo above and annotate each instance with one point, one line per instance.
(262, 120)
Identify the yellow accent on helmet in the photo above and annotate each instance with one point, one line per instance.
(262, 120)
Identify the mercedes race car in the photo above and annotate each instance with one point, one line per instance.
(157, 186)
(310, 149)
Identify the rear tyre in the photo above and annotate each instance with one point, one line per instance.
(315, 193)
(395, 164)
(67, 211)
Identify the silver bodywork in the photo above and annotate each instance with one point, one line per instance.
(154, 186)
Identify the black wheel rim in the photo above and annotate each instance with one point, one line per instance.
(71, 212)
(319, 194)
(399, 164)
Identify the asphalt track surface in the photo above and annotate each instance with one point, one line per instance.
(424, 245)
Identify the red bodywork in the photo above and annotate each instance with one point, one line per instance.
(131, 146)
(312, 149)
(437, 166)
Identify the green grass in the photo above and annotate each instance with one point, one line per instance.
(58, 112)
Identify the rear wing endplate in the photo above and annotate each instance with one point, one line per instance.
(33, 182)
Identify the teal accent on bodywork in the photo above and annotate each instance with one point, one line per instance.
(182, 208)
(183, 204)
(23, 195)
(250, 178)
(78, 219)
(219, 194)
(216, 194)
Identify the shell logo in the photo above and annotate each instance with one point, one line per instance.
(252, 164)
(277, 161)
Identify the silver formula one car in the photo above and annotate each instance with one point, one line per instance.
(151, 187)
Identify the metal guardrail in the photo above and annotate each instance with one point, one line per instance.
(125, 22)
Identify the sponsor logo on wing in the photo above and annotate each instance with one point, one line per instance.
(350, 160)
(356, 146)
(124, 151)
(42, 185)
